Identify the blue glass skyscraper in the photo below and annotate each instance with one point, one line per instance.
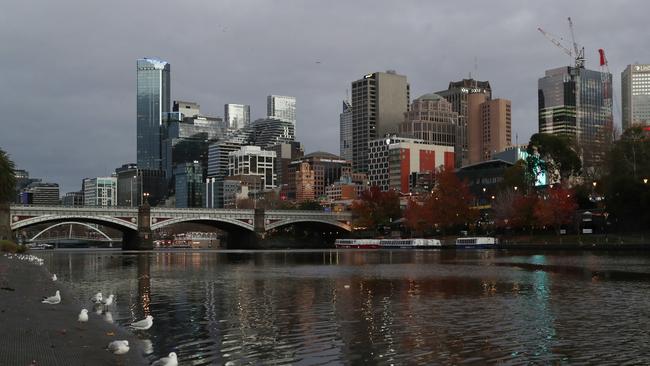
(153, 101)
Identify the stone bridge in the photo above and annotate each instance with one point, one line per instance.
(137, 223)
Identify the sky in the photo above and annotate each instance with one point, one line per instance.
(68, 68)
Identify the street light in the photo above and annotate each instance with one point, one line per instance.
(146, 197)
(516, 188)
(645, 180)
(134, 177)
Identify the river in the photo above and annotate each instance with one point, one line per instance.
(374, 307)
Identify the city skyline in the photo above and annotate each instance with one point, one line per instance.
(81, 84)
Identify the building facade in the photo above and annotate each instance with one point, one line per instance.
(379, 101)
(394, 159)
(236, 116)
(189, 184)
(281, 107)
(635, 92)
(493, 133)
(325, 168)
(74, 199)
(431, 119)
(253, 161)
(577, 103)
(345, 132)
(153, 101)
(39, 193)
(100, 191)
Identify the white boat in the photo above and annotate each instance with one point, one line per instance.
(477, 242)
(357, 243)
(39, 246)
(414, 243)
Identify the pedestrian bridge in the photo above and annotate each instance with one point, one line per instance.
(131, 220)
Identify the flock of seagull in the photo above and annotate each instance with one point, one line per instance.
(118, 347)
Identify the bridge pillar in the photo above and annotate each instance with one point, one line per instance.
(143, 238)
(5, 222)
(258, 222)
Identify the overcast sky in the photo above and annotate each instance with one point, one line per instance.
(68, 68)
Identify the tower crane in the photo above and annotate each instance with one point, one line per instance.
(577, 54)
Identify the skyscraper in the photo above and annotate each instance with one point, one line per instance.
(237, 115)
(379, 101)
(458, 94)
(635, 90)
(431, 119)
(281, 107)
(346, 131)
(153, 100)
(577, 103)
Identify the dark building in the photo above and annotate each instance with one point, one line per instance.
(483, 178)
(38, 193)
(577, 103)
(189, 184)
(73, 199)
(327, 169)
(22, 181)
(133, 182)
(153, 101)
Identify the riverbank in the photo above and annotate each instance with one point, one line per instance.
(39, 334)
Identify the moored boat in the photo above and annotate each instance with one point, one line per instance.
(413, 243)
(357, 243)
(476, 242)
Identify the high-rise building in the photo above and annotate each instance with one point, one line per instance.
(73, 199)
(431, 119)
(188, 109)
(379, 101)
(285, 153)
(281, 107)
(495, 128)
(189, 184)
(252, 160)
(304, 182)
(577, 103)
(100, 191)
(39, 193)
(346, 131)
(22, 181)
(153, 100)
(326, 169)
(458, 94)
(237, 116)
(394, 159)
(635, 92)
(128, 185)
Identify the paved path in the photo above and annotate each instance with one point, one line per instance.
(33, 333)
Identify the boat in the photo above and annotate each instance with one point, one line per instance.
(357, 243)
(39, 246)
(476, 242)
(414, 243)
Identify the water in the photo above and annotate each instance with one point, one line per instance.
(376, 307)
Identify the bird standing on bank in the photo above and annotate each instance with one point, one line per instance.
(109, 300)
(54, 277)
(97, 298)
(52, 300)
(143, 324)
(119, 347)
(171, 360)
(83, 316)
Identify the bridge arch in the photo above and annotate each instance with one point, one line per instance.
(99, 219)
(281, 223)
(225, 223)
(70, 223)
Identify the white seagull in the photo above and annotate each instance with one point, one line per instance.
(83, 316)
(143, 324)
(97, 298)
(170, 360)
(108, 301)
(54, 277)
(119, 347)
(52, 299)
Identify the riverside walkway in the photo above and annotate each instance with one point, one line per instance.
(39, 334)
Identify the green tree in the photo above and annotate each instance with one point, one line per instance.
(310, 206)
(515, 176)
(554, 154)
(7, 178)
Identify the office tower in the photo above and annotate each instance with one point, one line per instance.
(100, 191)
(303, 183)
(285, 153)
(281, 107)
(189, 184)
(577, 103)
(73, 199)
(379, 101)
(188, 109)
(153, 100)
(326, 169)
(22, 181)
(431, 119)
(236, 116)
(346, 131)
(394, 159)
(458, 94)
(128, 185)
(253, 161)
(495, 128)
(39, 193)
(635, 92)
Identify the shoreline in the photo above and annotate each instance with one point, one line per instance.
(42, 334)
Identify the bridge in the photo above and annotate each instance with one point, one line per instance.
(137, 223)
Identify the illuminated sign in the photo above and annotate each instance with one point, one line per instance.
(641, 67)
(472, 90)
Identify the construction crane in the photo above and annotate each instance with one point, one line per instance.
(607, 91)
(577, 54)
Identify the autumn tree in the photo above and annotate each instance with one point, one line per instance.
(503, 208)
(556, 208)
(375, 208)
(416, 217)
(524, 211)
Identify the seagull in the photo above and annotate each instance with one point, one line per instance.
(52, 299)
(119, 347)
(83, 316)
(143, 324)
(109, 300)
(54, 277)
(170, 360)
(97, 298)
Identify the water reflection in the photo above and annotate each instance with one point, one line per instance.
(372, 307)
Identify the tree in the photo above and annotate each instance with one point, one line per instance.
(7, 178)
(503, 208)
(415, 217)
(556, 208)
(553, 154)
(375, 209)
(515, 176)
(310, 206)
(524, 211)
